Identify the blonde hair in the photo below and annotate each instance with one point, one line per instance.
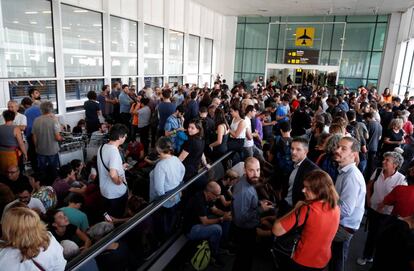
(23, 229)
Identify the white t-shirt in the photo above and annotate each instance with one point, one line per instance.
(50, 259)
(112, 159)
(19, 119)
(384, 187)
(34, 203)
(248, 142)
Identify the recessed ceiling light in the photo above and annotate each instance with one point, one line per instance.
(30, 12)
(33, 22)
(80, 11)
(46, 12)
(15, 22)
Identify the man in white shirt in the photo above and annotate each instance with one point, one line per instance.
(20, 120)
(112, 181)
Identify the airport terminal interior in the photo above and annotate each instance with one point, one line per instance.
(207, 135)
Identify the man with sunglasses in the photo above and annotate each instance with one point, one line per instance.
(200, 222)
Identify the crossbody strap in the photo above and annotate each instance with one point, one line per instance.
(100, 154)
(38, 265)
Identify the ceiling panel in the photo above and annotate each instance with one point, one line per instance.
(306, 7)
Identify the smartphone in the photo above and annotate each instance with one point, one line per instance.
(107, 217)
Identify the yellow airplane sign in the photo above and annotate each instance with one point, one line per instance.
(304, 36)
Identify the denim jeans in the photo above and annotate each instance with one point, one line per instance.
(339, 255)
(212, 233)
(47, 160)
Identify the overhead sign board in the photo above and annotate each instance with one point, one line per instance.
(306, 57)
(305, 36)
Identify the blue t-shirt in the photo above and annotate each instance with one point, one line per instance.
(164, 111)
(282, 110)
(31, 114)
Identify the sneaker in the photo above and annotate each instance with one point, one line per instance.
(217, 262)
(364, 261)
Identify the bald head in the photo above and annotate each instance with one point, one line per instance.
(213, 187)
(252, 168)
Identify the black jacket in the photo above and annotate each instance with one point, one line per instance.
(304, 168)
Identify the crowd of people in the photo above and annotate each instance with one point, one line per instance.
(304, 159)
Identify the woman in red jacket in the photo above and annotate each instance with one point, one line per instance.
(313, 251)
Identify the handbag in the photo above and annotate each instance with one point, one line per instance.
(284, 246)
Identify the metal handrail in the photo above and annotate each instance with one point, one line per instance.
(123, 229)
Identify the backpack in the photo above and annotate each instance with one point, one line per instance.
(202, 257)
(283, 155)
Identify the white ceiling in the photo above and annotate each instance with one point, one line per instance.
(305, 7)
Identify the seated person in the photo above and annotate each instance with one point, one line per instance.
(46, 194)
(80, 128)
(61, 229)
(74, 214)
(13, 178)
(224, 202)
(135, 151)
(64, 184)
(198, 225)
(78, 166)
(24, 195)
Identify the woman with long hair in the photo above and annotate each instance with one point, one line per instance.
(238, 128)
(319, 214)
(219, 147)
(193, 149)
(27, 245)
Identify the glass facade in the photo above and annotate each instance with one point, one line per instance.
(404, 78)
(82, 42)
(176, 53)
(26, 46)
(153, 49)
(362, 47)
(124, 42)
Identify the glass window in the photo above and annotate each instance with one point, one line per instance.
(254, 61)
(257, 19)
(175, 79)
(354, 64)
(192, 79)
(375, 66)
(275, 19)
(256, 36)
(153, 49)
(407, 63)
(193, 54)
(153, 82)
(82, 41)
(123, 46)
(337, 36)
(238, 60)
(359, 36)
(20, 89)
(176, 53)
(208, 56)
(382, 18)
(272, 56)
(241, 19)
(205, 80)
(274, 34)
(26, 46)
(240, 35)
(380, 34)
(324, 58)
(77, 89)
(334, 58)
(362, 18)
(353, 83)
(237, 77)
(372, 83)
(327, 36)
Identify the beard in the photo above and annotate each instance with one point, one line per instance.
(253, 180)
